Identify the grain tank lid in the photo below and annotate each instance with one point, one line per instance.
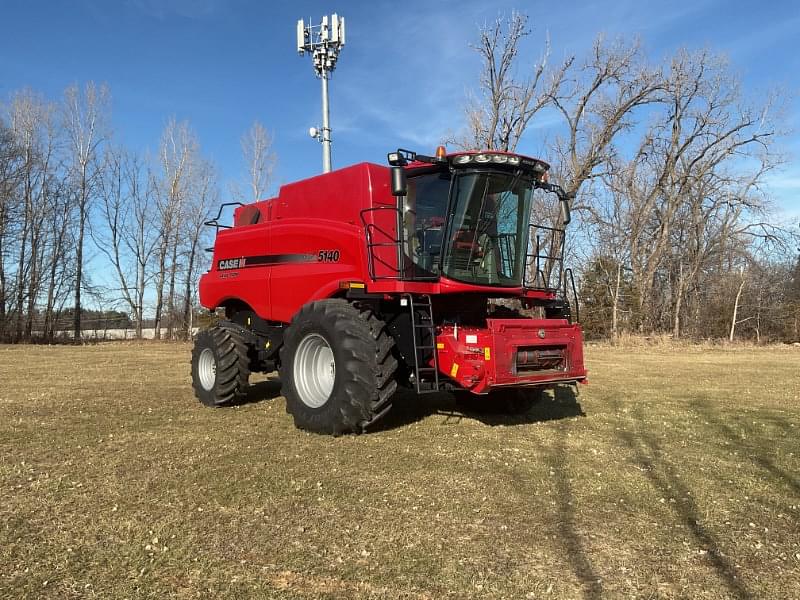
(246, 215)
(250, 214)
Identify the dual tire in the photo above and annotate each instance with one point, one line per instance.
(220, 367)
(337, 367)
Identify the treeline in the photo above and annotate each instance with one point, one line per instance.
(86, 223)
(668, 162)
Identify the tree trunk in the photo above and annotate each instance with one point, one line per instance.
(21, 279)
(173, 269)
(736, 309)
(160, 281)
(187, 297)
(676, 317)
(2, 280)
(79, 264)
(615, 305)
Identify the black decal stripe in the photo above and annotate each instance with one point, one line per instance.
(265, 260)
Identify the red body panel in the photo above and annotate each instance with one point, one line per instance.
(321, 214)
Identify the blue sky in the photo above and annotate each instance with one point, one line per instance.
(401, 79)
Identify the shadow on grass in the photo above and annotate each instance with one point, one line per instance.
(665, 479)
(569, 535)
(409, 408)
(261, 391)
(564, 404)
(755, 446)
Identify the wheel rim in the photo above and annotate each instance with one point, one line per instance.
(314, 370)
(207, 369)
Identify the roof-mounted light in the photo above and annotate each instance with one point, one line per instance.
(487, 157)
(441, 153)
(501, 158)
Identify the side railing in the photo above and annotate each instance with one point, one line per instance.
(214, 222)
(394, 264)
(544, 262)
(575, 309)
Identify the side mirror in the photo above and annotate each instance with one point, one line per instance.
(399, 182)
(565, 216)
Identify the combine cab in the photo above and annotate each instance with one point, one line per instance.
(437, 273)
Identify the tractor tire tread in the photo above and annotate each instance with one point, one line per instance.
(232, 367)
(364, 352)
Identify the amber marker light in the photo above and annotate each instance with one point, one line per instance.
(441, 153)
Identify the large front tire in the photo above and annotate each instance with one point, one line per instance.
(337, 368)
(220, 367)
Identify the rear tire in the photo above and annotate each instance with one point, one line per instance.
(511, 401)
(337, 368)
(220, 367)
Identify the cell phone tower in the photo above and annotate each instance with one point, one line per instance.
(323, 42)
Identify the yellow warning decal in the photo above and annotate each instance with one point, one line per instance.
(440, 346)
(487, 353)
(454, 370)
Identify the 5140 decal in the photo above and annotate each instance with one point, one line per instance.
(328, 256)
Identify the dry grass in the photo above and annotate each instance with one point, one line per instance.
(673, 474)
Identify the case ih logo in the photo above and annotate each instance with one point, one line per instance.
(231, 263)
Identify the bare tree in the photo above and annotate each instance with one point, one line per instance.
(597, 98)
(178, 157)
(505, 104)
(59, 266)
(204, 197)
(85, 121)
(140, 236)
(259, 160)
(11, 170)
(124, 234)
(33, 128)
(691, 197)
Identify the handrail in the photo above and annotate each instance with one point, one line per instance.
(216, 224)
(391, 242)
(568, 271)
(550, 256)
(215, 221)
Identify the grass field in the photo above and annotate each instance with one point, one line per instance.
(675, 473)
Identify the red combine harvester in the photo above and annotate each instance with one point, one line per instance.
(437, 273)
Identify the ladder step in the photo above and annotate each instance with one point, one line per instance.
(423, 327)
